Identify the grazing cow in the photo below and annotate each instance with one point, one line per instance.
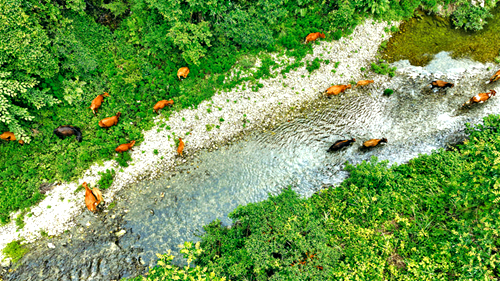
(180, 148)
(314, 36)
(92, 197)
(182, 72)
(68, 130)
(110, 121)
(124, 147)
(9, 136)
(335, 90)
(96, 103)
(161, 104)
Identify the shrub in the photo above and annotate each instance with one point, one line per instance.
(337, 35)
(14, 250)
(123, 158)
(388, 92)
(106, 179)
(165, 270)
(470, 17)
(394, 29)
(315, 64)
(384, 69)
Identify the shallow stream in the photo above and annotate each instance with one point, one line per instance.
(160, 214)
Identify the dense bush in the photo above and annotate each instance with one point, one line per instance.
(383, 68)
(164, 270)
(14, 250)
(435, 217)
(106, 179)
(471, 17)
(313, 65)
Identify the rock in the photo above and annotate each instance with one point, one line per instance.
(6, 262)
(120, 233)
(50, 245)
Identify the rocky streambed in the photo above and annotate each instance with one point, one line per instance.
(152, 216)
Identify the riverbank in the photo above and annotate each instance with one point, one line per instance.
(279, 99)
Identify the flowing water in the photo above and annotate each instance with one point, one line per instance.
(163, 213)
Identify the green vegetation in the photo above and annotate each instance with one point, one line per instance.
(209, 127)
(315, 64)
(14, 250)
(383, 68)
(132, 50)
(425, 35)
(106, 178)
(435, 217)
(112, 205)
(166, 271)
(20, 218)
(388, 92)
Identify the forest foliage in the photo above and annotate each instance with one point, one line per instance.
(434, 218)
(56, 56)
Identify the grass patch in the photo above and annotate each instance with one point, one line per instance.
(15, 250)
(106, 179)
(435, 216)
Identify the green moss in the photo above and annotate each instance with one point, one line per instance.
(15, 250)
(112, 205)
(423, 36)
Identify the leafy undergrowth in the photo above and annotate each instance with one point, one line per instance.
(435, 218)
(166, 271)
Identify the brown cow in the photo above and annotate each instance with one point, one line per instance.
(441, 84)
(161, 104)
(110, 121)
(183, 71)
(180, 148)
(363, 83)
(124, 147)
(314, 36)
(9, 136)
(335, 90)
(92, 197)
(374, 142)
(495, 77)
(480, 98)
(96, 103)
